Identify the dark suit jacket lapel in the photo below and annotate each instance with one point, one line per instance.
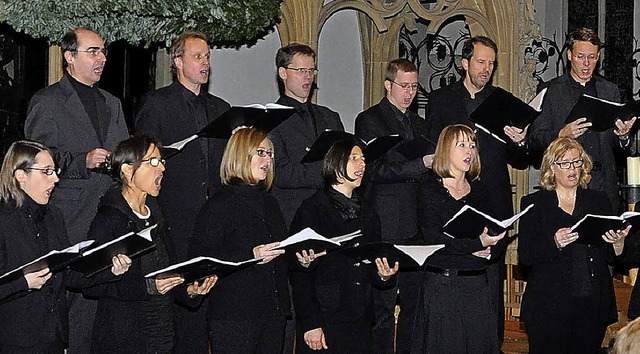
(76, 114)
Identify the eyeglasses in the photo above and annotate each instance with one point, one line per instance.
(47, 171)
(310, 71)
(406, 86)
(153, 161)
(264, 153)
(94, 52)
(582, 57)
(565, 165)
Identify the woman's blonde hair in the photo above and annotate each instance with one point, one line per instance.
(236, 161)
(628, 339)
(556, 150)
(448, 136)
(20, 156)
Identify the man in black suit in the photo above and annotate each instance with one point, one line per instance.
(393, 189)
(81, 123)
(454, 104)
(171, 114)
(563, 92)
(295, 181)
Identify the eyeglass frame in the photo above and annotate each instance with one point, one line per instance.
(582, 57)
(151, 163)
(93, 51)
(310, 71)
(406, 86)
(49, 171)
(569, 164)
(265, 152)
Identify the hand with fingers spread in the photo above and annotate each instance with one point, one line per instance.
(305, 258)
(385, 272)
(488, 240)
(202, 287)
(266, 253)
(315, 339)
(616, 238)
(564, 237)
(37, 279)
(574, 129)
(121, 264)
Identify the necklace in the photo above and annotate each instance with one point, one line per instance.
(566, 198)
(451, 188)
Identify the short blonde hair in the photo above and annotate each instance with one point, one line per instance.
(236, 161)
(448, 136)
(556, 150)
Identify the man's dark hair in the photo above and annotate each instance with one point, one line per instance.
(335, 161)
(69, 43)
(583, 35)
(467, 48)
(399, 64)
(285, 55)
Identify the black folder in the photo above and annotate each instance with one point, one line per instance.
(374, 148)
(263, 117)
(308, 239)
(200, 268)
(100, 257)
(602, 113)
(406, 256)
(416, 148)
(469, 223)
(56, 261)
(591, 227)
(501, 108)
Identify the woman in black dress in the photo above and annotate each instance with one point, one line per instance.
(247, 310)
(569, 299)
(135, 314)
(455, 314)
(33, 308)
(333, 301)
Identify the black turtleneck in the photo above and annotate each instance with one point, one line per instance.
(93, 102)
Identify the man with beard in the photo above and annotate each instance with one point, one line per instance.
(80, 123)
(583, 47)
(454, 104)
(171, 114)
(393, 183)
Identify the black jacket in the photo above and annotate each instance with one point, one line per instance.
(235, 220)
(120, 320)
(436, 207)
(38, 316)
(557, 277)
(192, 174)
(392, 181)
(295, 181)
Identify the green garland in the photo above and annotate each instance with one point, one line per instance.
(142, 21)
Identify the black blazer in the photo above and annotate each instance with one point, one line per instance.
(557, 276)
(57, 118)
(559, 100)
(229, 226)
(391, 182)
(38, 316)
(295, 181)
(194, 173)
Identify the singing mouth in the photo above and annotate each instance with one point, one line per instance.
(359, 174)
(49, 191)
(158, 181)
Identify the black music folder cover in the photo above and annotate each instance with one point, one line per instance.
(602, 113)
(308, 239)
(469, 222)
(591, 227)
(374, 148)
(200, 268)
(502, 108)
